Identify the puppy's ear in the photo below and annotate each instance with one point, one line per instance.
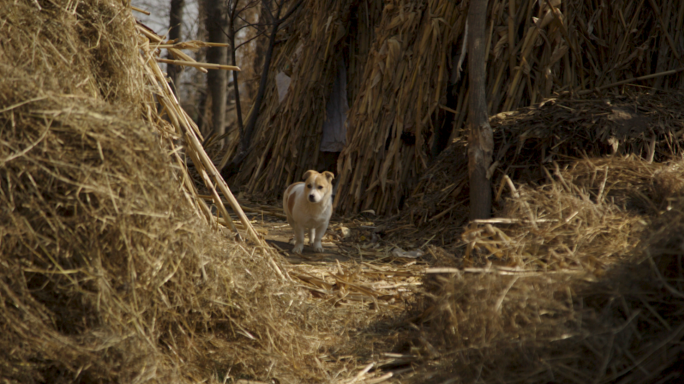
(329, 176)
(307, 174)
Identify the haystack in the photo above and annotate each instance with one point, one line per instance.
(547, 136)
(111, 268)
(582, 283)
(402, 63)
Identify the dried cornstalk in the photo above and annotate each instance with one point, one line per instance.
(400, 69)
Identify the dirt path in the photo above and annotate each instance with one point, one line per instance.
(362, 283)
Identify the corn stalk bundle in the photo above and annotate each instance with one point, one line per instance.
(287, 136)
(401, 66)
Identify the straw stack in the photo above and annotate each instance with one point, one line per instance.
(110, 267)
(558, 131)
(400, 65)
(583, 283)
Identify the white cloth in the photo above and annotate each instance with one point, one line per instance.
(283, 83)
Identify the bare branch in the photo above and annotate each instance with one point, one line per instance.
(249, 40)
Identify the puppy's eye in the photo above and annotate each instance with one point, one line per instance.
(308, 186)
(320, 187)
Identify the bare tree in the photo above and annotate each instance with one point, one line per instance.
(274, 11)
(217, 81)
(480, 138)
(235, 11)
(175, 31)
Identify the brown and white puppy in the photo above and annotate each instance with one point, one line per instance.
(308, 206)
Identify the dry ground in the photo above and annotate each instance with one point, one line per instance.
(368, 277)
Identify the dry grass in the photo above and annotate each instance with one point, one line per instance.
(402, 59)
(585, 285)
(110, 268)
(530, 140)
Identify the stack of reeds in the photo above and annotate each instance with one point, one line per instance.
(287, 136)
(398, 90)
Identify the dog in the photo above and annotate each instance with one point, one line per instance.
(308, 206)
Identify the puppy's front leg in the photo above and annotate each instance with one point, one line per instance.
(320, 231)
(312, 235)
(299, 239)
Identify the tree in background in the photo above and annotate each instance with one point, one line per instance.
(480, 138)
(175, 32)
(217, 81)
(238, 14)
(274, 10)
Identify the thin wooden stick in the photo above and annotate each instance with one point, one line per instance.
(157, 40)
(651, 76)
(140, 10)
(192, 44)
(210, 185)
(198, 65)
(187, 126)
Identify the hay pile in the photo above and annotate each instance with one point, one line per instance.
(109, 269)
(578, 277)
(531, 139)
(583, 285)
(402, 60)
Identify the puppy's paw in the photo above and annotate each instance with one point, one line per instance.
(318, 247)
(291, 241)
(298, 249)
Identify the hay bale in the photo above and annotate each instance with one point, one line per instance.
(109, 271)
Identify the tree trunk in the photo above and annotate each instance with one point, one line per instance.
(175, 30)
(217, 81)
(261, 43)
(480, 140)
(246, 138)
(231, 38)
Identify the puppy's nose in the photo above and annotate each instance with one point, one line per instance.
(312, 198)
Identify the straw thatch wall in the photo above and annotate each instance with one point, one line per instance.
(401, 58)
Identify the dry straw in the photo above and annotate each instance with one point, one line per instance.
(528, 140)
(110, 270)
(584, 284)
(578, 277)
(400, 64)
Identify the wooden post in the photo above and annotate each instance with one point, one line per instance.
(480, 138)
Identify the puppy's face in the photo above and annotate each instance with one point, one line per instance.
(317, 185)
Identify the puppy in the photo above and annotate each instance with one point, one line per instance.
(308, 206)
